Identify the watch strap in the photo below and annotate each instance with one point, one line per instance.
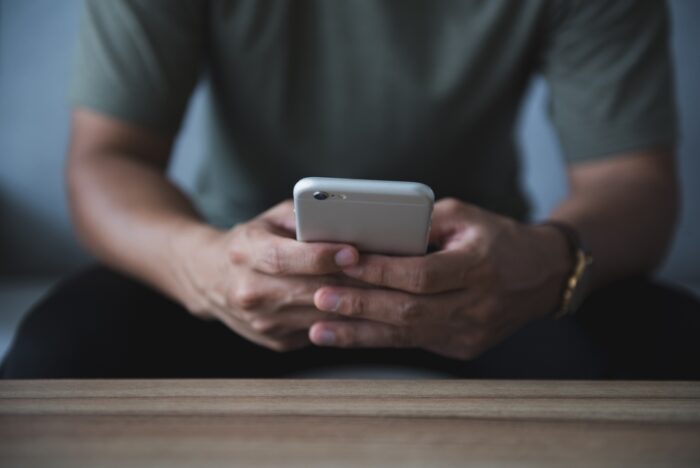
(571, 296)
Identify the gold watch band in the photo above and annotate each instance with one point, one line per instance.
(575, 284)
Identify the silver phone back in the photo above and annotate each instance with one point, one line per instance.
(387, 217)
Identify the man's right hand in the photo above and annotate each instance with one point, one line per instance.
(258, 280)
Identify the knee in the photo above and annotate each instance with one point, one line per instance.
(648, 329)
(72, 332)
(46, 345)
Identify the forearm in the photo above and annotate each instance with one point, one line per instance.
(625, 209)
(132, 218)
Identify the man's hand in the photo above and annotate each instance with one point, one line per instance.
(490, 276)
(255, 277)
(259, 281)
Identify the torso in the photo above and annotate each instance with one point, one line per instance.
(420, 90)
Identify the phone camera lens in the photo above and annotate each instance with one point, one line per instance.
(320, 195)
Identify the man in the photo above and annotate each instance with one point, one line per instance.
(419, 90)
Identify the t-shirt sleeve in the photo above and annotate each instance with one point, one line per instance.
(139, 60)
(610, 77)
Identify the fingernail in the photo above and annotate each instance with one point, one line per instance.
(326, 337)
(344, 257)
(329, 302)
(353, 271)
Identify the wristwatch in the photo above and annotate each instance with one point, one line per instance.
(576, 284)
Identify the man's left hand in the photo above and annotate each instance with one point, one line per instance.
(490, 276)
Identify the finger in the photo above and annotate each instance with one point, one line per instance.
(359, 334)
(386, 306)
(289, 342)
(242, 329)
(441, 271)
(260, 294)
(452, 221)
(444, 222)
(264, 293)
(269, 253)
(281, 216)
(300, 290)
(281, 211)
(289, 321)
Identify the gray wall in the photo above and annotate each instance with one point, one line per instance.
(37, 39)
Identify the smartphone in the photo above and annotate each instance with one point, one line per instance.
(378, 216)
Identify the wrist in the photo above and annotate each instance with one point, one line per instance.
(190, 244)
(557, 263)
(577, 284)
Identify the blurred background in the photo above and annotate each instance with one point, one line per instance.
(37, 243)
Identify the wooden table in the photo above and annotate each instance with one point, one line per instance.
(348, 422)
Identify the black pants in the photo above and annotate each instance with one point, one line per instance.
(102, 324)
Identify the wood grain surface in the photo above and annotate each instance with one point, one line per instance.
(348, 423)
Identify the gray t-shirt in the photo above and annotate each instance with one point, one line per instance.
(407, 90)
